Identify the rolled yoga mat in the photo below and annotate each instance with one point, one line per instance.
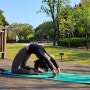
(67, 77)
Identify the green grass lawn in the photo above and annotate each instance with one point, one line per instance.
(74, 55)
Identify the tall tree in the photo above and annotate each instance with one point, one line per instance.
(67, 21)
(21, 30)
(53, 9)
(26, 30)
(44, 30)
(82, 17)
(85, 3)
(86, 17)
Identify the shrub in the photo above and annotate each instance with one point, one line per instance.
(74, 42)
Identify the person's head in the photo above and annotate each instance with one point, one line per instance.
(40, 64)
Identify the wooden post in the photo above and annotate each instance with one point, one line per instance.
(3, 38)
(1, 41)
(4, 44)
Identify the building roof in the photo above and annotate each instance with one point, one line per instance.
(5, 21)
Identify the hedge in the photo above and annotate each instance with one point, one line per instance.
(74, 42)
(20, 41)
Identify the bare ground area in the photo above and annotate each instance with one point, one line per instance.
(8, 82)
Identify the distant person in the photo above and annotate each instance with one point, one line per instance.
(19, 62)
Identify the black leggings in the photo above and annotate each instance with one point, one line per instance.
(20, 61)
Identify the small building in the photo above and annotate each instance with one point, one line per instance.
(3, 33)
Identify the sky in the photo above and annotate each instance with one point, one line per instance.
(25, 11)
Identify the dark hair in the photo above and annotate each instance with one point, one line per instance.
(40, 63)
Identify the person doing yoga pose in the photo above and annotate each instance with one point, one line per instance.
(19, 62)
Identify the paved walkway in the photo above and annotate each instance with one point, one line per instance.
(13, 83)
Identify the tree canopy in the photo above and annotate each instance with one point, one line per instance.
(66, 19)
(24, 31)
(1, 17)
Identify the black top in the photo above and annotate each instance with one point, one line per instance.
(39, 51)
(35, 47)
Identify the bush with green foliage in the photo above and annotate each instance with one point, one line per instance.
(74, 42)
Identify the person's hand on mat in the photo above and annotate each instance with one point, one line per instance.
(32, 72)
(58, 70)
(54, 74)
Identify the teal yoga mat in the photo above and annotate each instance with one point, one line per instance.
(67, 77)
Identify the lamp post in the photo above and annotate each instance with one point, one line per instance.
(48, 39)
(4, 43)
(1, 41)
(68, 40)
(61, 54)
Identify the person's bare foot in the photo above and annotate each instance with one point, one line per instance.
(32, 72)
